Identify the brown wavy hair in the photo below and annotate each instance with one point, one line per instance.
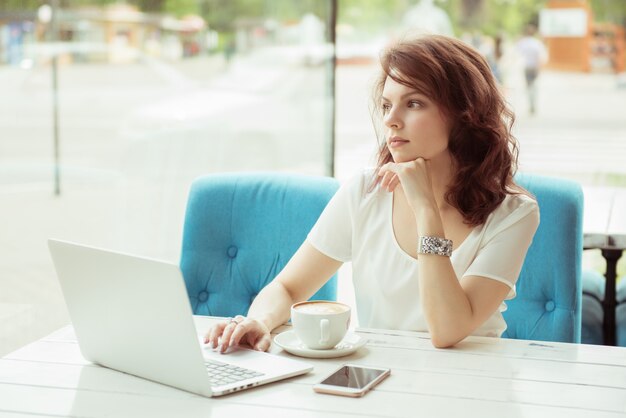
(458, 79)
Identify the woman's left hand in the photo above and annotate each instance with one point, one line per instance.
(414, 177)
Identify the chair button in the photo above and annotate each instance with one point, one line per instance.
(232, 251)
(550, 306)
(203, 296)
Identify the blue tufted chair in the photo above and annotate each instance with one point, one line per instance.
(620, 313)
(548, 302)
(592, 331)
(241, 229)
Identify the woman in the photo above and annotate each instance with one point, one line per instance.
(437, 234)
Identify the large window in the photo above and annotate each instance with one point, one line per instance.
(146, 100)
(109, 109)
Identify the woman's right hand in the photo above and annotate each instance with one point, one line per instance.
(239, 330)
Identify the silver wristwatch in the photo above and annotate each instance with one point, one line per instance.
(434, 245)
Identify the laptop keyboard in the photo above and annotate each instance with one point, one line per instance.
(223, 373)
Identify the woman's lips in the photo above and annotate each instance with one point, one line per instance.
(396, 141)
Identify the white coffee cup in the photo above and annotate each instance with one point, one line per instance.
(320, 324)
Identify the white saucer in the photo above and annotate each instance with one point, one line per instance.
(289, 342)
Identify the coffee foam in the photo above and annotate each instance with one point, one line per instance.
(321, 308)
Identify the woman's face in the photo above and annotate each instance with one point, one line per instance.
(415, 125)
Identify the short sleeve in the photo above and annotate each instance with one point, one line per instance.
(332, 233)
(502, 255)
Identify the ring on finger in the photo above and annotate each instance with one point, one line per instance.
(236, 320)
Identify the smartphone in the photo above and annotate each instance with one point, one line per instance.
(352, 380)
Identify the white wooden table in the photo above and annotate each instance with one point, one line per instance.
(481, 377)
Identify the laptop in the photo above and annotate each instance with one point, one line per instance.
(132, 314)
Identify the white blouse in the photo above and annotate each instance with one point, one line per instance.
(356, 226)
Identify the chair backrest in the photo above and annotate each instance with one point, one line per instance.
(592, 329)
(620, 313)
(241, 229)
(549, 290)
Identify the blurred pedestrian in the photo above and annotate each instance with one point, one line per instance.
(426, 18)
(229, 50)
(534, 55)
(498, 51)
(488, 48)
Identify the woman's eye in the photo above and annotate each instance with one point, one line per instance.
(386, 107)
(415, 103)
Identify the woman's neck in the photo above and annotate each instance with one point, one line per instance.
(441, 170)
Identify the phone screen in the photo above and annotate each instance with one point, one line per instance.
(352, 377)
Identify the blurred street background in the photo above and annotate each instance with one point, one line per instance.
(151, 94)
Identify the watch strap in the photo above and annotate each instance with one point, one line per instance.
(434, 245)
